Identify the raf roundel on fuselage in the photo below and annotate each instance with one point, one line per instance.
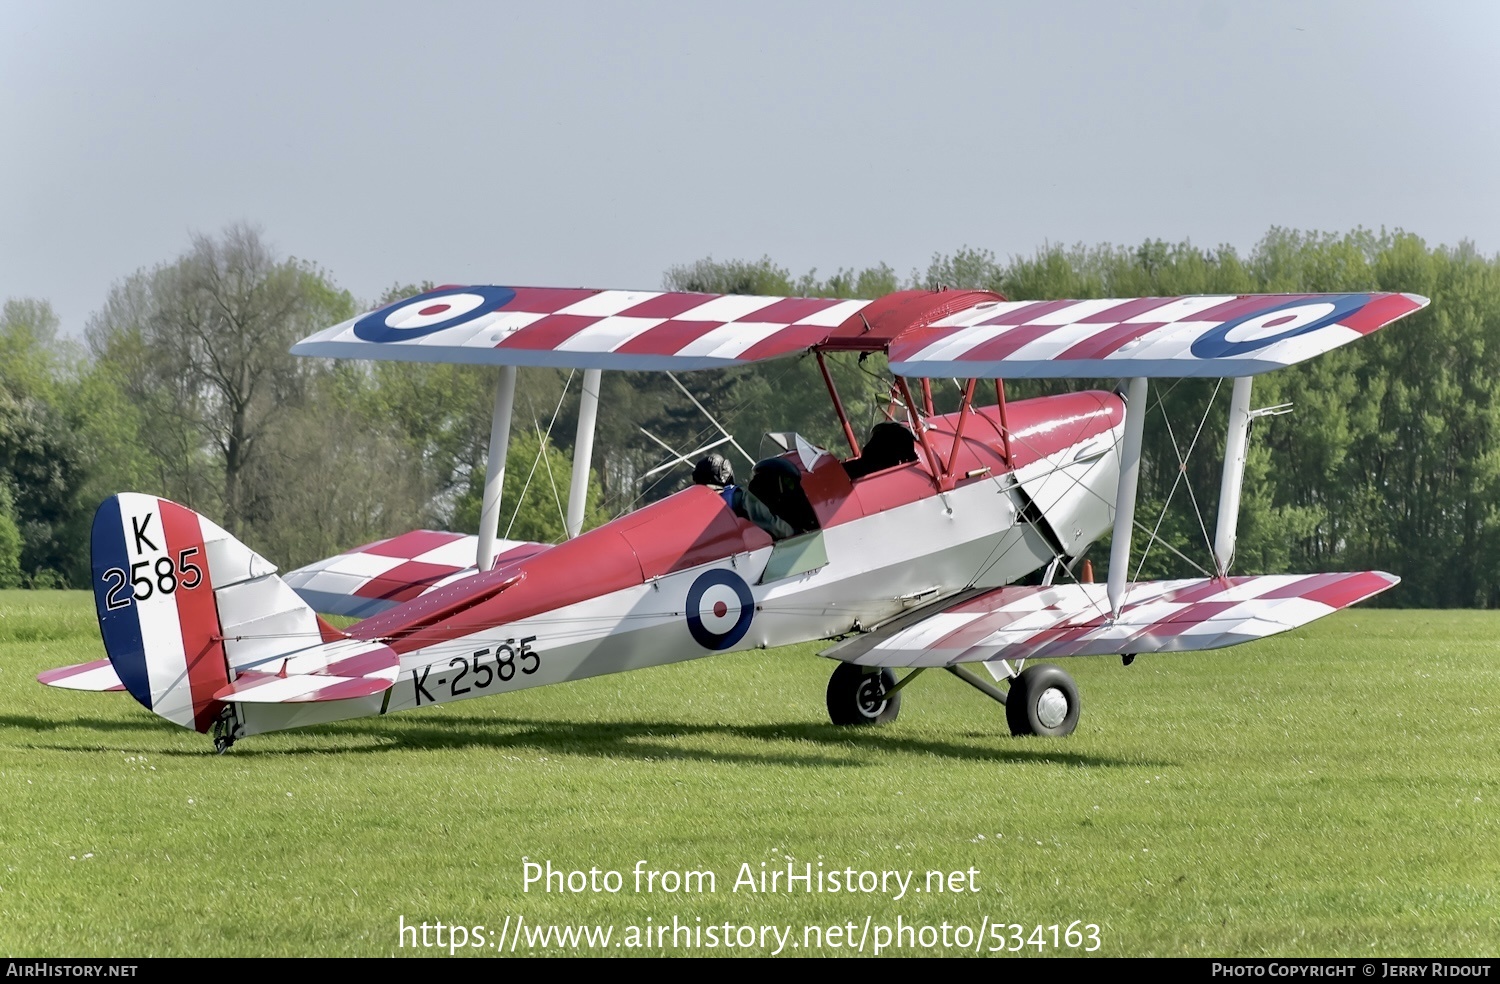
(719, 609)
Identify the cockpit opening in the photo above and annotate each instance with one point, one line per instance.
(890, 444)
(773, 499)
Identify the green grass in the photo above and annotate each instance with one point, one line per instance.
(1334, 791)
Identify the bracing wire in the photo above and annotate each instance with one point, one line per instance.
(1180, 478)
(541, 451)
(1159, 403)
(727, 417)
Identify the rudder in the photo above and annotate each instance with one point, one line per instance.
(183, 606)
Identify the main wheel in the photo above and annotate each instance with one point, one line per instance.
(857, 696)
(1043, 700)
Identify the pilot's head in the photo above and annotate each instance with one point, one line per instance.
(713, 470)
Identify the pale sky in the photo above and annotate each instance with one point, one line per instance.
(596, 144)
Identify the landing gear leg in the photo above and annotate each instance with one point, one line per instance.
(988, 689)
(225, 730)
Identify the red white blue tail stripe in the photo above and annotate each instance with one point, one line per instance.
(193, 619)
(154, 592)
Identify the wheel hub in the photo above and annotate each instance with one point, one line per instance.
(871, 696)
(1051, 707)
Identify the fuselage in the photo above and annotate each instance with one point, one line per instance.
(686, 577)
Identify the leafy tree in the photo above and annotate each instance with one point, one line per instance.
(202, 342)
(539, 513)
(10, 541)
(43, 458)
(710, 276)
(30, 357)
(330, 476)
(1391, 460)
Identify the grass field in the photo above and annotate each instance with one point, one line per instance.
(1333, 791)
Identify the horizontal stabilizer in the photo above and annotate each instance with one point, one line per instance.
(1073, 619)
(333, 671)
(368, 580)
(98, 675)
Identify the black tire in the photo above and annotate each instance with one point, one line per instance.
(857, 696)
(1032, 707)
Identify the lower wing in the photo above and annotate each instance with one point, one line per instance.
(368, 580)
(1073, 619)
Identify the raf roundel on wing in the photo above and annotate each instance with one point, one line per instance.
(431, 312)
(1275, 324)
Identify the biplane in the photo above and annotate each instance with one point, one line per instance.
(906, 551)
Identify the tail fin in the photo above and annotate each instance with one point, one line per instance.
(184, 607)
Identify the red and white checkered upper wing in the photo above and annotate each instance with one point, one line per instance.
(585, 329)
(1214, 336)
(1073, 619)
(1218, 335)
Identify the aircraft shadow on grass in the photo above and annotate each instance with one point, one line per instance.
(32, 722)
(639, 740)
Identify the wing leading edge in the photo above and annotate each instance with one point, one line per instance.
(1073, 619)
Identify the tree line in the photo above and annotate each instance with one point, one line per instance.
(182, 386)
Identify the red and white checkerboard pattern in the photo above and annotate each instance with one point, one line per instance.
(1143, 336)
(610, 329)
(654, 330)
(1073, 619)
(377, 576)
(336, 670)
